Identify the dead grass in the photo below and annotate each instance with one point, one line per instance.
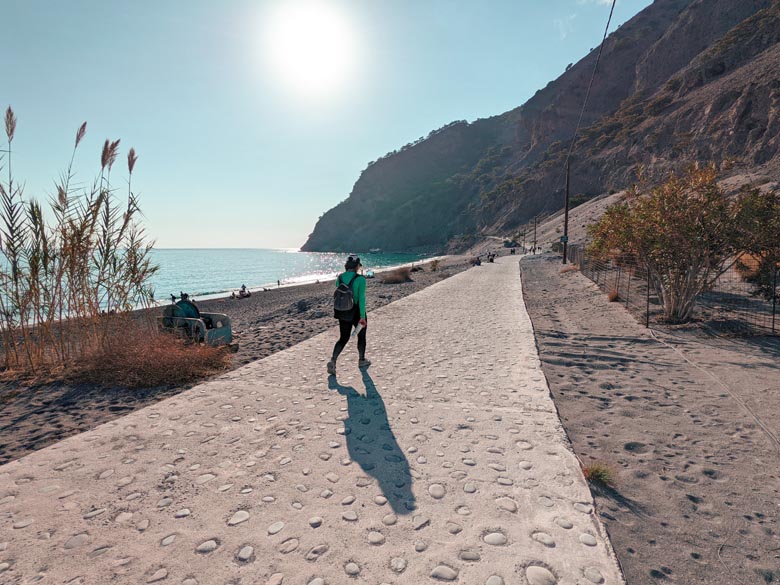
(397, 276)
(142, 357)
(599, 474)
(613, 295)
(569, 268)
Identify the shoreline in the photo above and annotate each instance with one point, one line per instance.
(308, 280)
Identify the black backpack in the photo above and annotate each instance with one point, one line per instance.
(344, 300)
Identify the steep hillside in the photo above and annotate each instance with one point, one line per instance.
(682, 80)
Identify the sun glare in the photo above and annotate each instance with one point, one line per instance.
(310, 46)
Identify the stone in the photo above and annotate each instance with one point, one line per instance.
(352, 569)
(123, 517)
(159, 575)
(275, 528)
(376, 538)
(76, 541)
(398, 564)
(543, 538)
(245, 553)
(207, 547)
(168, 540)
(495, 538)
(444, 573)
(539, 576)
(437, 491)
(494, 580)
(238, 518)
(23, 523)
(315, 522)
(389, 520)
(588, 539)
(316, 552)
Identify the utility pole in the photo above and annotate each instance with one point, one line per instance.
(565, 238)
(536, 217)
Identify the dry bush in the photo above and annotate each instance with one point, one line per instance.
(397, 276)
(599, 474)
(435, 264)
(140, 356)
(570, 268)
(748, 265)
(686, 232)
(612, 295)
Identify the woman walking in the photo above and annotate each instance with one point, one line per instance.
(349, 307)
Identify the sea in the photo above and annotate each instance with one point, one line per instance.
(211, 273)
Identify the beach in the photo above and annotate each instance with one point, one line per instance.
(444, 461)
(33, 417)
(687, 422)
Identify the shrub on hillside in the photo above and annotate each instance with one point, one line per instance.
(684, 232)
(760, 239)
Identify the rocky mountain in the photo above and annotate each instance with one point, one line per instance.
(683, 80)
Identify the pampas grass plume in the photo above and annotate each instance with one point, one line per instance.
(132, 157)
(10, 124)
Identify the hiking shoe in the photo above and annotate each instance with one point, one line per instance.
(332, 368)
(364, 363)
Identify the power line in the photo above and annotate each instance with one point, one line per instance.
(566, 169)
(590, 85)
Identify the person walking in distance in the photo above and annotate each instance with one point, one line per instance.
(349, 307)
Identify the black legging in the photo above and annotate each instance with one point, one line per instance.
(345, 329)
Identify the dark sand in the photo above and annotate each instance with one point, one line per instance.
(33, 417)
(697, 493)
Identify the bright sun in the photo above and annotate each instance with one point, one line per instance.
(310, 45)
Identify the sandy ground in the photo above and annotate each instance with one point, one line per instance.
(688, 423)
(266, 322)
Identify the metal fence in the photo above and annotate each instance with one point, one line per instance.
(733, 305)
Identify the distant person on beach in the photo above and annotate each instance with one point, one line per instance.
(278, 283)
(355, 316)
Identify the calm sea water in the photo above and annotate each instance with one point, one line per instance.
(214, 272)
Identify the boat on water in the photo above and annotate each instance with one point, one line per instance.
(375, 251)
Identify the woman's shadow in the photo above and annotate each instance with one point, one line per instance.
(372, 444)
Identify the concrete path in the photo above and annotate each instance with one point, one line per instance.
(444, 462)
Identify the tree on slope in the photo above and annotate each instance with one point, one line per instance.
(683, 232)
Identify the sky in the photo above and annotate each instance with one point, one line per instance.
(253, 118)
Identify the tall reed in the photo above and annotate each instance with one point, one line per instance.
(70, 272)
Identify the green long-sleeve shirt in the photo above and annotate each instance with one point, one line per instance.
(358, 291)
